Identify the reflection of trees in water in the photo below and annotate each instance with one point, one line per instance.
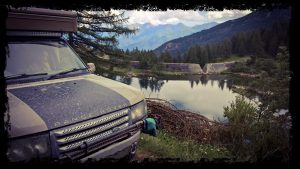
(106, 73)
(194, 81)
(123, 79)
(221, 84)
(212, 83)
(144, 83)
(229, 84)
(203, 80)
(126, 80)
(110, 76)
(153, 83)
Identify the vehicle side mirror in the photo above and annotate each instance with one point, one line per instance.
(91, 67)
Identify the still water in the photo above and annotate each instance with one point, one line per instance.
(206, 95)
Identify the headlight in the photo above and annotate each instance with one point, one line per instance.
(138, 111)
(28, 148)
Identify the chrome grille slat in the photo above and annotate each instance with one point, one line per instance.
(87, 140)
(92, 123)
(92, 131)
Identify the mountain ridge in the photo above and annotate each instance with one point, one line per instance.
(253, 21)
(151, 36)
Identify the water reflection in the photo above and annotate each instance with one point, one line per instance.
(204, 94)
(192, 82)
(155, 84)
(221, 84)
(204, 80)
(152, 83)
(126, 80)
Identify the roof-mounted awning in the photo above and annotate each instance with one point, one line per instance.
(37, 19)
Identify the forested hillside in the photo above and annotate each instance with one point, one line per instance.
(261, 42)
(259, 33)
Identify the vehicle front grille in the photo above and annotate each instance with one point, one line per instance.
(83, 137)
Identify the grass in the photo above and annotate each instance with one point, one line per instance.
(233, 58)
(166, 145)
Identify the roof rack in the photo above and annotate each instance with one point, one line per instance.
(44, 20)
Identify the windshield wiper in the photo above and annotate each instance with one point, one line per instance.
(24, 75)
(66, 72)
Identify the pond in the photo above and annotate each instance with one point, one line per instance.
(206, 95)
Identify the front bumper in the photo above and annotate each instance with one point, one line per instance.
(117, 150)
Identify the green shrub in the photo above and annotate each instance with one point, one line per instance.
(255, 136)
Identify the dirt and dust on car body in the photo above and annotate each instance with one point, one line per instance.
(59, 109)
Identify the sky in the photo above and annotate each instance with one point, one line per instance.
(187, 17)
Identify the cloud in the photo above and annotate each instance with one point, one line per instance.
(226, 14)
(187, 17)
(172, 21)
(163, 17)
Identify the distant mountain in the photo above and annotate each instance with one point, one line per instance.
(256, 20)
(149, 36)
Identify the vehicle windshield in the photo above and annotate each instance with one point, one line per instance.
(40, 58)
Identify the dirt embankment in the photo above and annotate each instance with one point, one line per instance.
(215, 68)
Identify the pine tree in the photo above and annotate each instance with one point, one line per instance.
(255, 44)
(165, 57)
(227, 48)
(192, 55)
(98, 31)
(238, 43)
(203, 55)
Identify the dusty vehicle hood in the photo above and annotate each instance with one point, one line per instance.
(60, 102)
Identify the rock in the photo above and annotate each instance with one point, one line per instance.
(213, 68)
(183, 67)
